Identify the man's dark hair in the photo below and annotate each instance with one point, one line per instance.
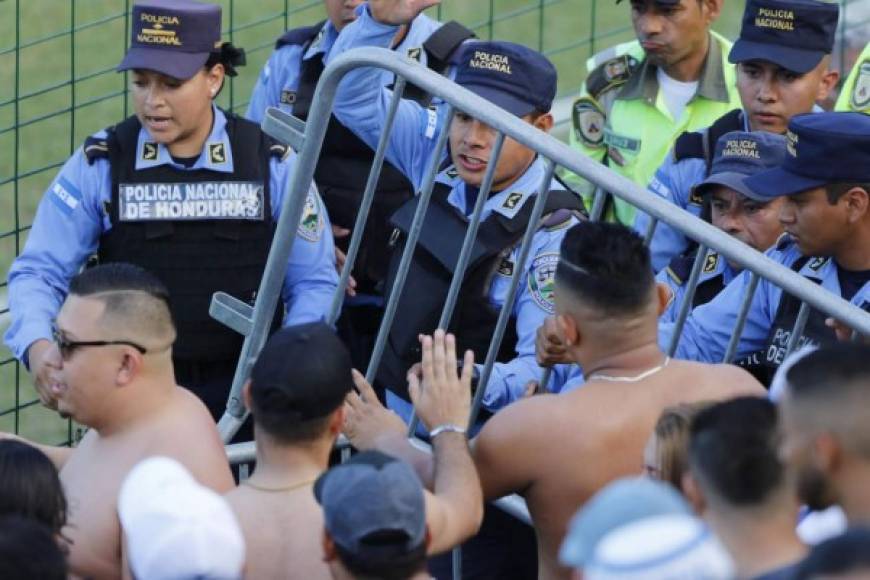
(118, 277)
(393, 566)
(733, 451)
(28, 550)
(835, 191)
(301, 377)
(30, 486)
(849, 552)
(829, 371)
(606, 266)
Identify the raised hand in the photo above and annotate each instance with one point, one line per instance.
(365, 419)
(398, 12)
(443, 397)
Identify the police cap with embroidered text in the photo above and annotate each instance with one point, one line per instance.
(512, 76)
(740, 154)
(823, 148)
(172, 37)
(794, 34)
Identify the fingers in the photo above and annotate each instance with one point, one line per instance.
(531, 389)
(439, 357)
(339, 232)
(427, 362)
(414, 389)
(467, 369)
(366, 392)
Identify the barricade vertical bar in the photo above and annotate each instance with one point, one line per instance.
(650, 231)
(72, 76)
(456, 557)
(598, 204)
(686, 306)
(16, 161)
(232, 80)
(368, 198)
(741, 318)
(410, 245)
(467, 245)
(124, 44)
(798, 330)
(504, 315)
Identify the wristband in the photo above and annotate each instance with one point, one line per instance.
(445, 428)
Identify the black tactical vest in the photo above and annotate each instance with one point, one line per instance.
(431, 271)
(345, 160)
(680, 268)
(194, 257)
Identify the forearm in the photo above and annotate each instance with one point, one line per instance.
(458, 486)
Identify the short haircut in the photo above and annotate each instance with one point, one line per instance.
(30, 486)
(129, 293)
(301, 377)
(606, 267)
(29, 550)
(849, 552)
(672, 441)
(733, 451)
(835, 191)
(396, 567)
(832, 385)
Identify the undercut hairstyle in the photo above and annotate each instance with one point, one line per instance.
(672, 441)
(393, 565)
(832, 385)
(300, 379)
(30, 486)
(835, 191)
(28, 550)
(844, 554)
(733, 451)
(130, 293)
(606, 267)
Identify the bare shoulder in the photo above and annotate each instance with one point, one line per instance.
(727, 379)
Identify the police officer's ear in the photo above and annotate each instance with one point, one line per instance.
(543, 121)
(711, 9)
(214, 78)
(828, 79)
(857, 201)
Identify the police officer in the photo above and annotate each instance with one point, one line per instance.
(288, 81)
(182, 188)
(855, 93)
(783, 69)
(640, 95)
(735, 209)
(825, 180)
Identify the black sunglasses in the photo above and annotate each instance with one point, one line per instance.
(68, 347)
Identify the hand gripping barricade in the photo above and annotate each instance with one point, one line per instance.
(307, 140)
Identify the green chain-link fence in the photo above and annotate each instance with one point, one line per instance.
(58, 85)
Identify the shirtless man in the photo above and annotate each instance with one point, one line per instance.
(296, 395)
(558, 450)
(111, 370)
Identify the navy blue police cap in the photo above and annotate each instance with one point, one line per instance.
(740, 154)
(512, 76)
(822, 148)
(794, 34)
(172, 37)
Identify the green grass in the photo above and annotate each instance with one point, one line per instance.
(39, 55)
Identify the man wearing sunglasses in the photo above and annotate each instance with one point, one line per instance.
(110, 369)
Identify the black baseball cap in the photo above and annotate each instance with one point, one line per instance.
(514, 77)
(822, 148)
(794, 34)
(172, 37)
(303, 371)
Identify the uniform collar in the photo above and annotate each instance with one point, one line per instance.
(507, 202)
(712, 84)
(322, 43)
(215, 156)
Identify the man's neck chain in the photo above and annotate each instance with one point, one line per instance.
(636, 378)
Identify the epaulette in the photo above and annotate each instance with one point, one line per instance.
(611, 74)
(95, 148)
(783, 242)
(689, 145)
(299, 36)
(680, 267)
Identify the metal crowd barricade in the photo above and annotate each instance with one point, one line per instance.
(254, 322)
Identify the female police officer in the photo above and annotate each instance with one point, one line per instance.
(181, 188)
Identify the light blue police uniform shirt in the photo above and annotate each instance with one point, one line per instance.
(282, 71)
(708, 328)
(361, 105)
(678, 288)
(72, 216)
(674, 181)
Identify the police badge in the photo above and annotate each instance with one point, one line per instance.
(542, 281)
(588, 120)
(311, 224)
(861, 91)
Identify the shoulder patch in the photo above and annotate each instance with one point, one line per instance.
(65, 195)
(217, 153)
(695, 196)
(415, 53)
(588, 119)
(711, 262)
(512, 200)
(311, 225)
(506, 267)
(95, 148)
(149, 151)
(611, 74)
(816, 263)
(288, 97)
(860, 99)
(542, 280)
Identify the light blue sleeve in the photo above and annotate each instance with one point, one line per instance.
(673, 181)
(362, 101)
(311, 279)
(565, 378)
(281, 66)
(532, 306)
(65, 232)
(708, 328)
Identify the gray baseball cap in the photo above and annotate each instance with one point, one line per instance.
(368, 498)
